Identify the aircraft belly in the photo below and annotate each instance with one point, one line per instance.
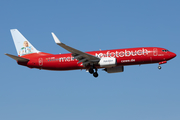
(67, 65)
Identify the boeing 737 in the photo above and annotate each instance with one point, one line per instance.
(111, 61)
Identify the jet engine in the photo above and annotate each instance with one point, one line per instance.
(107, 62)
(114, 69)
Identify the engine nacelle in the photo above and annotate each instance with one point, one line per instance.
(107, 62)
(114, 69)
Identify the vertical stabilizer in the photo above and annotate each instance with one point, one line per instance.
(23, 46)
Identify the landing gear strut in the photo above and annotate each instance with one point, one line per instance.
(95, 74)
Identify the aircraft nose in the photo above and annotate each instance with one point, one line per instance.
(173, 55)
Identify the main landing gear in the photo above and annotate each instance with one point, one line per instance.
(91, 71)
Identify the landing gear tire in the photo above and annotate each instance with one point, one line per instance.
(95, 74)
(91, 71)
(159, 67)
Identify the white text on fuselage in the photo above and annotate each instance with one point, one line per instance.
(123, 53)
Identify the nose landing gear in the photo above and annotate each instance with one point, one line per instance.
(163, 62)
(159, 67)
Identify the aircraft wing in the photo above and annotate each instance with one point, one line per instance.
(83, 57)
(17, 58)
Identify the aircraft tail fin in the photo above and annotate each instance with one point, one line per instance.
(23, 46)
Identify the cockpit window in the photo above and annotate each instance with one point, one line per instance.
(165, 50)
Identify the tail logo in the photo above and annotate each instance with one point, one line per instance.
(23, 46)
(26, 49)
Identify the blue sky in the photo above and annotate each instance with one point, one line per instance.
(139, 93)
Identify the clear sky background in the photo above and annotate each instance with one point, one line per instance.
(139, 93)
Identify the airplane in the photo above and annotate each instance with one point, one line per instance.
(111, 61)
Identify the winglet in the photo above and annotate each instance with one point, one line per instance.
(55, 38)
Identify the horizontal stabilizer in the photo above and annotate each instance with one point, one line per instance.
(17, 58)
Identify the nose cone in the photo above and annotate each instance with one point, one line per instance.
(172, 55)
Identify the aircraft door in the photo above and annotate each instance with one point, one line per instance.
(155, 51)
(40, 61)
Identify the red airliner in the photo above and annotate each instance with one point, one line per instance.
(111, 61)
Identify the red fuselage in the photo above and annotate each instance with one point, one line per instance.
(129, 56)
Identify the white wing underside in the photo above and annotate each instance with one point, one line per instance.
(83, 57)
